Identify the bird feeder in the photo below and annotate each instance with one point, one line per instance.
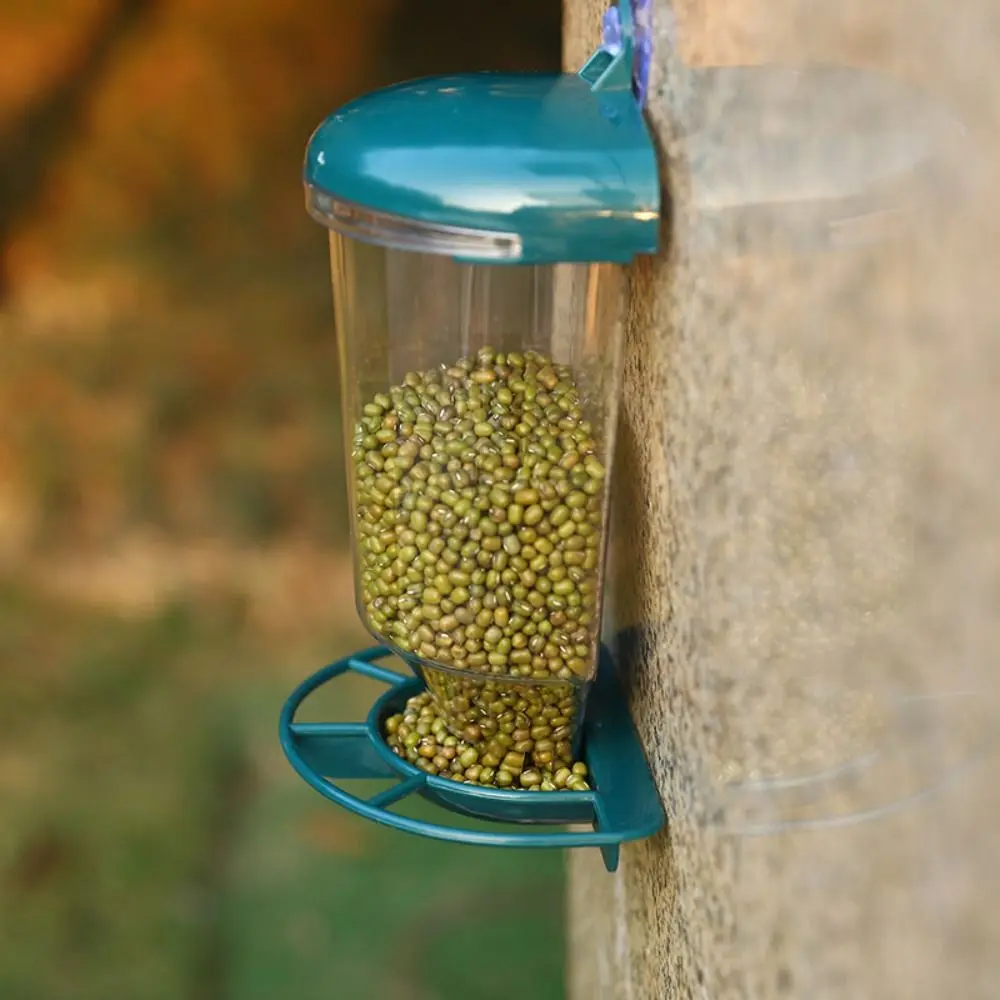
(477, 225)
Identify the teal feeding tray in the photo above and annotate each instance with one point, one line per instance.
(622, 804)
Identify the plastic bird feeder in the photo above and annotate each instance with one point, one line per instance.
(477, 224)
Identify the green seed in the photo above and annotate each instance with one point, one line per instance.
(511, 545)
(533, 515)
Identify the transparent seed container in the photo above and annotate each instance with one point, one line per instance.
(480, 421)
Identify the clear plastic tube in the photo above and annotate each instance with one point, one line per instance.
(480, 420)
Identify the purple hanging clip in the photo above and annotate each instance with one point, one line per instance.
(611, 42)
(611, 31)
(642, 20)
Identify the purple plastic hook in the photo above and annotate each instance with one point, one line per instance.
(611, 31)
(611, 41)
(642, 18)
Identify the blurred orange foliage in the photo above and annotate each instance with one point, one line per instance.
(168, 382)
(200, 108)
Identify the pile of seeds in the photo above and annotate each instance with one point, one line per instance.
(421, 736)
(479, 506)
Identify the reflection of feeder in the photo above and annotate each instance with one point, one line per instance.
(464, 212)
(918, 758)
(854, 730)
(793, 161)
(811, 158)
(929, 742)
(807, 782)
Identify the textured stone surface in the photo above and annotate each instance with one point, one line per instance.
(807, 527)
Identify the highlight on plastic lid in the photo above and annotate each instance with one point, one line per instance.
(401, 233)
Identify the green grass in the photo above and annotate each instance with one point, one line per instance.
(327, 906)
(109, 766)
(154, 844)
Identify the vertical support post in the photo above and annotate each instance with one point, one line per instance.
(806, 530)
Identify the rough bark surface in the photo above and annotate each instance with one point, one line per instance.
(806, 527)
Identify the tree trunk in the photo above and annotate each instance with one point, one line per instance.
(806, 530)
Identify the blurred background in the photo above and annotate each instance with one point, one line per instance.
(173, 518)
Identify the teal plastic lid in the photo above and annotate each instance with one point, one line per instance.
(525, 168)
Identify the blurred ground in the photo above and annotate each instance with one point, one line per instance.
(156, 844)
(173, 519)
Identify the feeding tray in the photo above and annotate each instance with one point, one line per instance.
(622, 804)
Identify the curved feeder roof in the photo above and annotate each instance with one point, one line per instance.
(524, 168)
